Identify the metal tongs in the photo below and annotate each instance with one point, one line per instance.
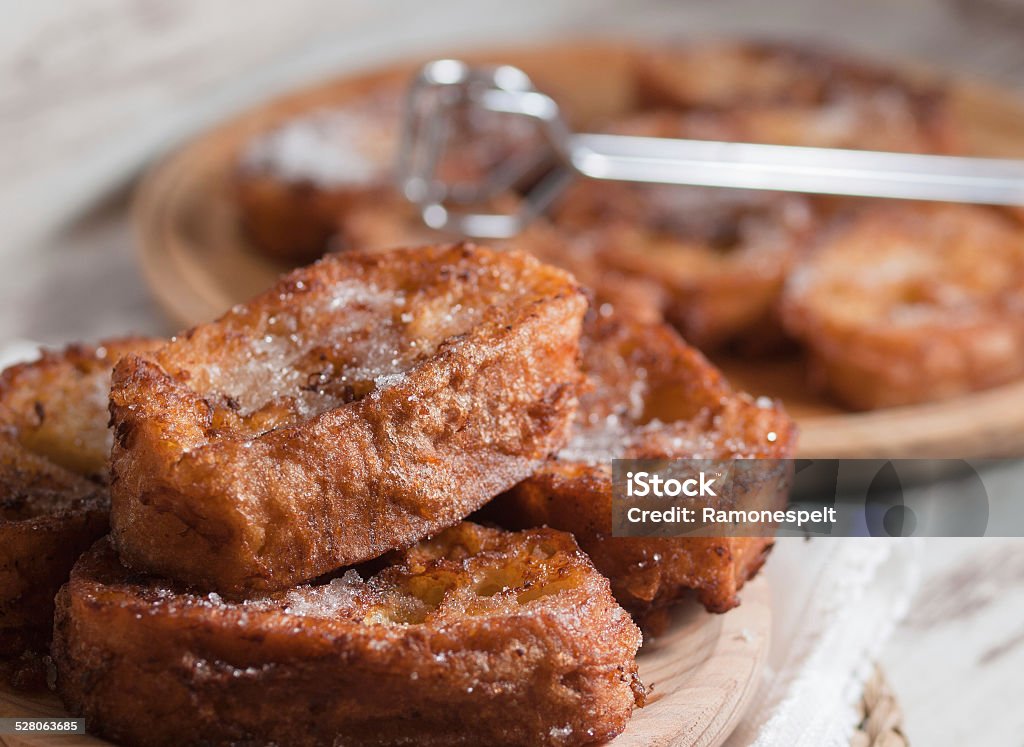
(443, 87)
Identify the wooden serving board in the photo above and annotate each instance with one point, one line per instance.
(704, 670)
(198, 263)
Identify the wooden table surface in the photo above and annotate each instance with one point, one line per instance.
(91, 91)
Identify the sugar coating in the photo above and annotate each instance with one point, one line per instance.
(358, 339)
(340, 595)
(354, 146)
(465, 571)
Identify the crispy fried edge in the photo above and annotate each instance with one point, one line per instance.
(650, 574)
(199, 515)
(561, 671)
(37, 552)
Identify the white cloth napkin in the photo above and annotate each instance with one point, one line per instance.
(835, 601)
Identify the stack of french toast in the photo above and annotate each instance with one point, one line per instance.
(270, 542)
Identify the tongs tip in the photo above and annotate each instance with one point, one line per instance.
(440, 89)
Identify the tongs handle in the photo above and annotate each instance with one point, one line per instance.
(798, 169)
(786, 168)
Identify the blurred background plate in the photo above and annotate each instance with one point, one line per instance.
(198, 263)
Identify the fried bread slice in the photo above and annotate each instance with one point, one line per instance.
(54, 446)
(294, 182)
(799, 95)
(650, 395)
(718, 256)
(477, 636)
(359, 405)
(912, 303)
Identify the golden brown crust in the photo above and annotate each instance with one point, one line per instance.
(53, 500)
(647, 574)
(387, 395)
(477, 636)
(912, 303)
(48, 517)
(651, 396)
(56, 406)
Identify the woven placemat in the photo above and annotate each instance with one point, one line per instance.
(881, 723)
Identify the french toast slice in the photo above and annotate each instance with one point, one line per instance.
(718, 256)
(54, 445)
(902, 304)
(295, 182)
(361, 404)
(649, 396)
(799, 94)
(477, 636)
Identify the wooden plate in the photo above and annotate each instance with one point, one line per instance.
(704, 670)
(199, 264)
